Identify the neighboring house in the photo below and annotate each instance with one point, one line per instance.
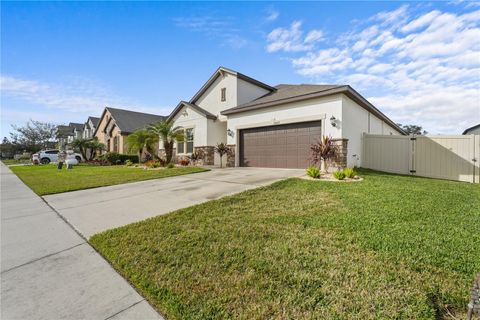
(89, 127)
(473, 130)
(66, 134)
(77, 131)
(115, 125)
(274, 126)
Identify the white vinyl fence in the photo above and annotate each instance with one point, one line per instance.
(444, 157)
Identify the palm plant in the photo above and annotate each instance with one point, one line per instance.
(80, 144)
(142, 141)
(323, 150)
(94, 146)
(168, 134)
(222, 149)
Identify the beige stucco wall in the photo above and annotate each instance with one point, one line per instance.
(355, 121)
(210, 100)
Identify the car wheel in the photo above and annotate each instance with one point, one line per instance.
(45, 161)
(79, 159)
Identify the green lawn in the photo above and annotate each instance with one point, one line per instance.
(389, 247)
(47, 179)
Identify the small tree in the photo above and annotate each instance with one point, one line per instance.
(323, 150)
(80, 144)
(94, 146)
(168, 134)
(413, 129)
(140, 141)
(222, 149)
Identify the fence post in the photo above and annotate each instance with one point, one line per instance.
(412, 150)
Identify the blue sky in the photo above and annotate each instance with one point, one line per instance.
(419, 62)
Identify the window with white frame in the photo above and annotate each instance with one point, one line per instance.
(186, 146)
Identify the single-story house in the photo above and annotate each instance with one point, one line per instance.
(89, 127)
(115, 125)
(472, 130)
(274, 126)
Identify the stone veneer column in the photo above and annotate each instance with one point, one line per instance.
(340, 160)
(231, 156)
(208, 154)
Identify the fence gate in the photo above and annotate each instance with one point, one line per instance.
(444, 157)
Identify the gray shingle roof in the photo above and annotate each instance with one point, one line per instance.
(286, 91)
(94, 120)
(129, 121)
(77, 126)
(64, 131)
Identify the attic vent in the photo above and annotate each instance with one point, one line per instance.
(223, 94)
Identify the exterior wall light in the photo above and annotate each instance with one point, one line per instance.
(333, 121)
(230, 133)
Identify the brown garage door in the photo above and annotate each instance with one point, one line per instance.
(282, 146)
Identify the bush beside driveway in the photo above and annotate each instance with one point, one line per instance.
(47, 179)
(387, 247)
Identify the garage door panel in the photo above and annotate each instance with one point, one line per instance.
(283, 146)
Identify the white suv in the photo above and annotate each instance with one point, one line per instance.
(47, 156)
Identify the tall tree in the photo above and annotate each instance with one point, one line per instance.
(142, 140)
(412, 129)
(168, 135)
(34, 135)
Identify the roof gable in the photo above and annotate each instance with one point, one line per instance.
(219, 72)
(183, 104)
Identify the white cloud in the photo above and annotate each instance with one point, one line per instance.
(81, 96)
(418, 68)
(272, 15)
(223, 29)
(292, 39)
(314, 36)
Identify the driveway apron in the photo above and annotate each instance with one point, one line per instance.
(94, 210)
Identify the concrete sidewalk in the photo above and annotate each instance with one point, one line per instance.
(48, 271)
(94, 210)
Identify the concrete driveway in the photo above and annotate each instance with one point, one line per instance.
(95, 210)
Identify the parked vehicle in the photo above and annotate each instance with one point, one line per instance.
(47, 156)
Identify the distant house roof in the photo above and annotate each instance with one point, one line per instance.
(129, 121)
(76, 126)
(286, 93)
(471, 129)
(64, 131)
(94, 120)
(193, 106)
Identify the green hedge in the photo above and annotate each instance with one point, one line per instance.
(118, 158)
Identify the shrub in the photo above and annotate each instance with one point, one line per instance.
(118, 158)
(313, 172)
(339, 175)
(152, 164)
(128, 163)
(170, 165)
(323, 150)
(97, 162)
(184, 161)
(349, 173)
